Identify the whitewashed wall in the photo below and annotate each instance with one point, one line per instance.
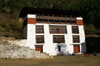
(50, 47)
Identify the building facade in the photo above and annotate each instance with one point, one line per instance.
(53, 31)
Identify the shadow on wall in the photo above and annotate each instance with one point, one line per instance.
(83, 48)
(93, 44)
(62, 49)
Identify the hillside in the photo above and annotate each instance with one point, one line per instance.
(10, 10)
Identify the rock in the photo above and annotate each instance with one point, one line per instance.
(9, 49)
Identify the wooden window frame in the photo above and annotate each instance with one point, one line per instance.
(57, 29)
(58, 39)
(39, 29)
(76, 39)
(39, 38)
(39, 20)
(45, 20)
(73, 22)
(51, 20)
(75, 30)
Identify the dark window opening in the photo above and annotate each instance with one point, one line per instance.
(45, 14)
(40, 39)
(39, 29)
(73, 22)
(63, 15)
(55, 15)
(75, 29)
(58, 39)
(45, 19)
(59, 15)
(38, 19)
(76, 39)
(62, 20)
(51, 20)
(58, 29)
(57, 20)
(50, 14)
(68, 21)
(39, 14)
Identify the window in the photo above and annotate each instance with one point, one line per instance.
(55, 15)
(45, 20)
(50, 14)
(62, 20)
(38, 19)
(40, 39)
(63, 15)
(76, 39)
(39, 29)
(58, 39)
(59, 15)
(45, 14)
(73, 22)
(68, 22)
(57, 20)
(51, 20)
(39, 14)
(58, 29)
(75, 29)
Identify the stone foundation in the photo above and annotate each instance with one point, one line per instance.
(10, 49)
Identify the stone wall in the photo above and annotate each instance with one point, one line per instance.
(9, 49)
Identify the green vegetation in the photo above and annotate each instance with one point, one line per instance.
(93, 44)
(90, 29)
(11, 28)
(10, 10)
(79, 60)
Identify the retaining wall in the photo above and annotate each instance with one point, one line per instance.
(12, 48)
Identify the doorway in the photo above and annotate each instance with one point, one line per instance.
(76, 48)
(59, 48)
(39, 48)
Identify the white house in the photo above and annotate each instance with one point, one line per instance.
(53, 31)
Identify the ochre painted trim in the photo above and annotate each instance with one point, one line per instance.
(79, 22)
(31, 20)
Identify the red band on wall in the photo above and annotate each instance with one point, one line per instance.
(79, 22)
(31, 20)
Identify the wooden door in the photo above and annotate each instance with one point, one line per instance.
(76, 49)
(39, 48)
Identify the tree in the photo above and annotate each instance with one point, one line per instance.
(1, 5)
(90, 29)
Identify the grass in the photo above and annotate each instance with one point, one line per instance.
(79, 60)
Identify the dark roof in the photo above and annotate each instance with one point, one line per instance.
(30, 10)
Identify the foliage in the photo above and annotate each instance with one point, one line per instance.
(90, 28)
(10, 26)
(1, 5)
(11, 9)
(90, 8)
(1, 29)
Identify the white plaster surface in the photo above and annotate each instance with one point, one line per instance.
(31, 16)
(52, 48)
(79, 18)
